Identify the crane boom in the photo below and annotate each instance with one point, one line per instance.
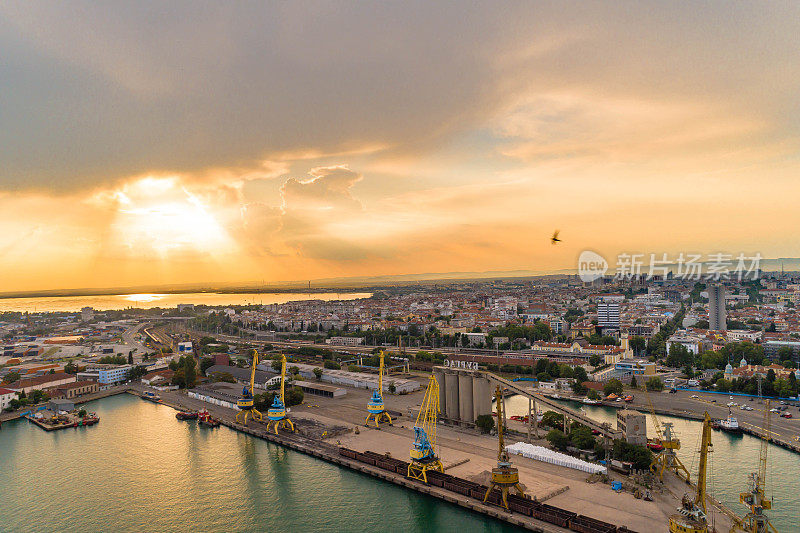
(705, 444)
(277, 412)
(246, 403)
(423, 451)
(283, 378)
(253, 371)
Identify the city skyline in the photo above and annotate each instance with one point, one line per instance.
(192, 143)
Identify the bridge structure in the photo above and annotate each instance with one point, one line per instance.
(465, 394)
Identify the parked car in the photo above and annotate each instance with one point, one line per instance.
(786, 415)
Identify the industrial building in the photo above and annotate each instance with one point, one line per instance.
(44, 383)
(6, 396)
(358, 380)
(633, 425)
(73, 390)
(265, 378)
(463, 396)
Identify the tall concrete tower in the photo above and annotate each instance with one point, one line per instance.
(716, 308)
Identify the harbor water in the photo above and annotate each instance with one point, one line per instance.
(734, 457)
(140, 469)
(150, 300)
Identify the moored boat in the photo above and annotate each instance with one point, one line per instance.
(205, 419)
(187, 415)
(150, 396)
(730, 424)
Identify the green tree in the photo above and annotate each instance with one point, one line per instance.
(137, 372)
(637, 344)
(331, 365)
(485, 423)
(318, 373)
(581, 437)
(595, 360)
(593, 395)
(189, 372)
(614, 386)
(633, 381)
(654, 384)
(578, 387)
(557, 439)
(294, 396)
(71, 368)
(392, 388)
(11, 377)
(580, 374)
(262, 402)
(205, 364)
(276, 365)
(724, 385)
(553, 419)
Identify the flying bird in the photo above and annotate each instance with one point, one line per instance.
(554, 239)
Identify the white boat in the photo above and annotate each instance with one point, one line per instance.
(730, 424)
(588, 401)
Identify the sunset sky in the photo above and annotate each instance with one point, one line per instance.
(181, 142)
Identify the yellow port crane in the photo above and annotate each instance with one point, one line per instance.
(376, 407)
(755, 521)
(276, 415)
(423, 452)
(691, 517)
(666, 458)
(246, 402)
(505, 476)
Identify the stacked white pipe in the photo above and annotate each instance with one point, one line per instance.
(546, 455)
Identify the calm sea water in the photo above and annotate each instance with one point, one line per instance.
(732, 461)
(148, 301)
(141, 469)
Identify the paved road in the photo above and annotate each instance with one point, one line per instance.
(716, 405)
(129, 338)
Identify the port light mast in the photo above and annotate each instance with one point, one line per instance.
(376, 407)
(505, 476)
(276, 415)
(423, 452)
(247, 403)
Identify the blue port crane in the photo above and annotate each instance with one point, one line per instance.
(423, 452)
(276, 414)
(246, 403)
(376, 407)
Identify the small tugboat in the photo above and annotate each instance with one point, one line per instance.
(730, 424)
(589, 401)
(205, 419)
(186, 415)
(150, 396)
